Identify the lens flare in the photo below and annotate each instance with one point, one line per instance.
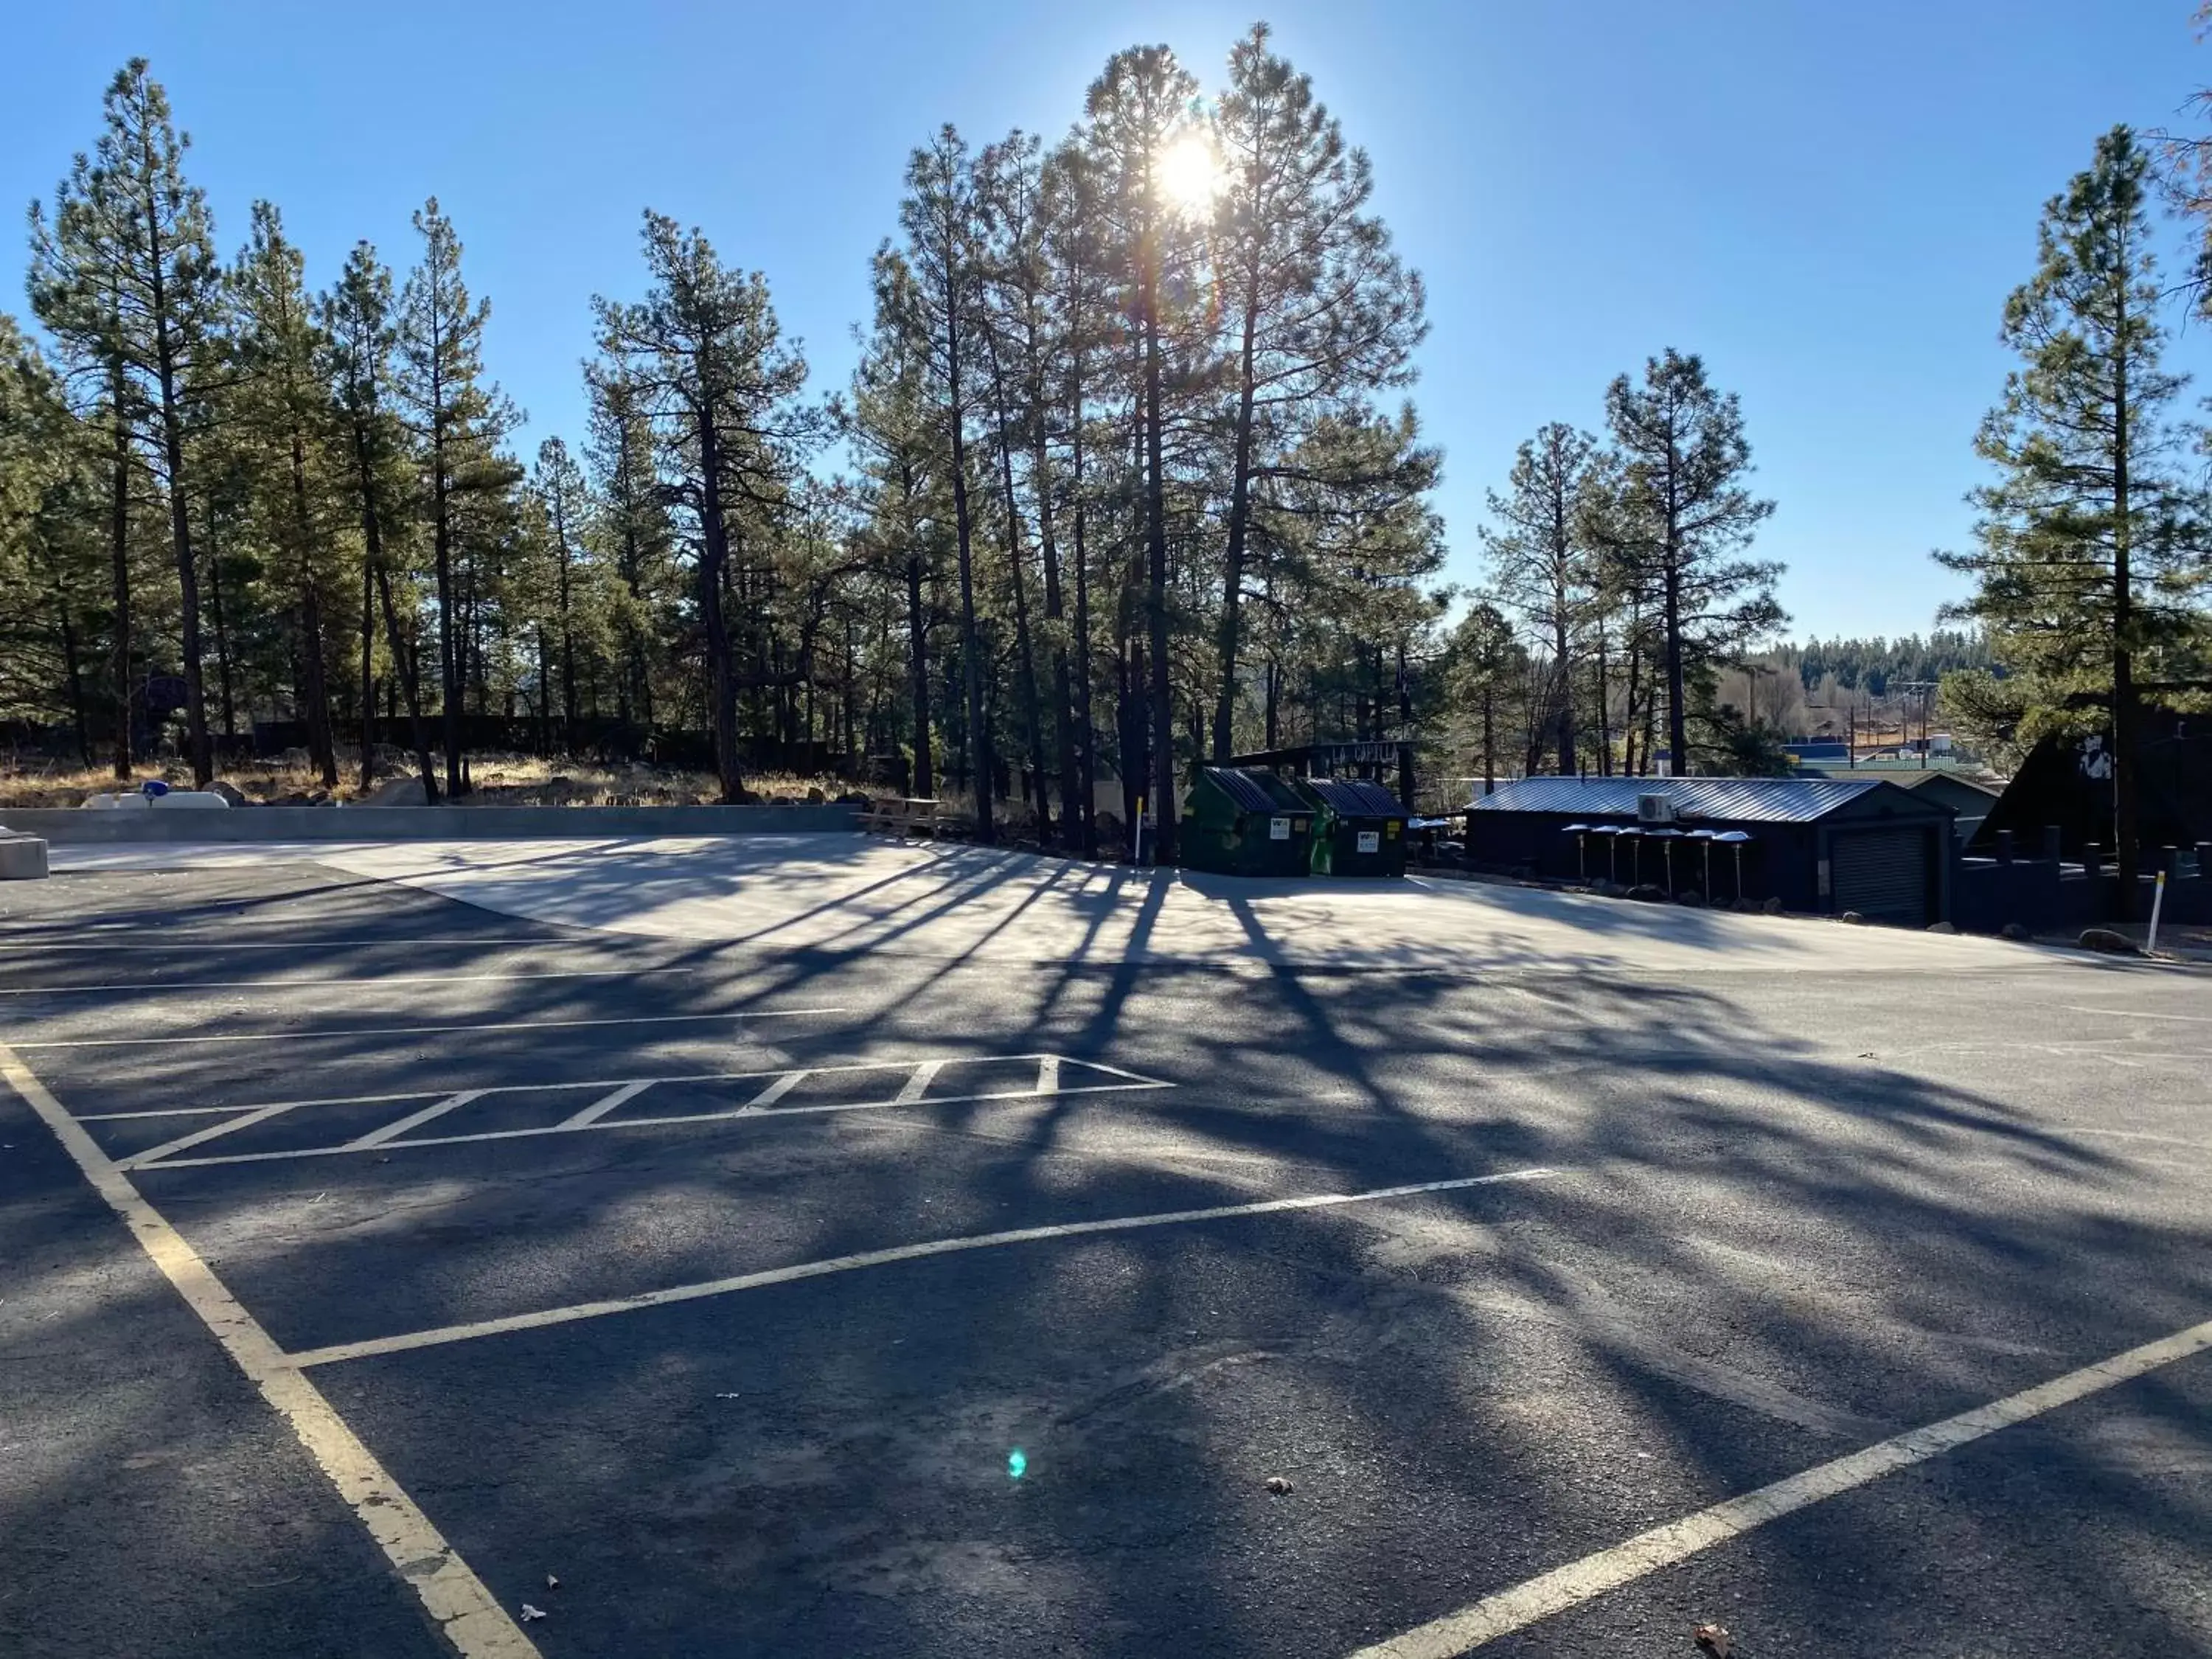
(1189, 173)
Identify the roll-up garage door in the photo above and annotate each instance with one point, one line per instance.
(1882, 874)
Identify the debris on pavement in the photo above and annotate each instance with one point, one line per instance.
(551, 1582)
(1278, 1485)
(1713, 1639)
(530, 1613)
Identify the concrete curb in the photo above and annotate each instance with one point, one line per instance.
(64, 826)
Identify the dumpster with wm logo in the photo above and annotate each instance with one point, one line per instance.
(1241, 821)
(1359, 828)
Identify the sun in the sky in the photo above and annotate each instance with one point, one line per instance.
(1189, 174)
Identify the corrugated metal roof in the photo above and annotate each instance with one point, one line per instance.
(1356, 798)
(1252, 791)
(1741, 800)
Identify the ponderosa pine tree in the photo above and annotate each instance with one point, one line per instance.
(126, 274)
(559, 482)
(458, 419)
(1322, 316)
(941, 217)
(1541, 563)
(634, 529)
(279, 414)
(1136, 112)
(1683, 516)
(710, 368)
(360, 338)
(890, 419)
(2093, 542)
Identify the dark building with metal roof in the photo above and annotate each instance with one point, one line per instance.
(1819, 844)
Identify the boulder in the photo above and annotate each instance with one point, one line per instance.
(1853, 919)
(229, 792)
(1941, 927)
(815, 798)
(1649, 892)
(1772, 907)
(2104, 940)
(1691, 897)
(397, 792)
(2015, 933)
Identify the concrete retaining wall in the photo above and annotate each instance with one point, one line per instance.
(76, 826)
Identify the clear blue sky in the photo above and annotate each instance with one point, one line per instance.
(1829, 202)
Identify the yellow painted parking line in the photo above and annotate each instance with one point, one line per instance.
(846, 1264)
(1578, 1582)
(455, 1598)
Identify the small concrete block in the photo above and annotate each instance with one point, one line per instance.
(22, 858)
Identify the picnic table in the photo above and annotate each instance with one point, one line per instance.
(902, 815)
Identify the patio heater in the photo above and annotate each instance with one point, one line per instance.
(1635, 838)
(1667, 838)
(1734, 838)
(1704, 839)
(1612, 833)
(1581, 833)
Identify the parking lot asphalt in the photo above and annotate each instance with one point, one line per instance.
(716, 1296)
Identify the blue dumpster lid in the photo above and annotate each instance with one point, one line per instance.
(1356, 798)
(1252, 790)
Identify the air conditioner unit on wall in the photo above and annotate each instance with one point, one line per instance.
(1655, 809)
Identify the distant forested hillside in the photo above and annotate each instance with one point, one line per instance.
(1868, 665)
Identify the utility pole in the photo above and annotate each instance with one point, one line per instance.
(1926, 689)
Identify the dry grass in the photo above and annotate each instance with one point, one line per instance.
(499, 781)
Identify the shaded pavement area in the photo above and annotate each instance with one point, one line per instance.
(898, 1280)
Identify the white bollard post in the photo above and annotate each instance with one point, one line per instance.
(2157, 902)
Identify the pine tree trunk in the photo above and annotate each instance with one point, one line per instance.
(119, 548)
(1603, 702)
(1025, 690)
(1072, 787)
(409, 668)
(180, 529)
(321, 742)
(714, 564)
(978, 747)
(368, 677)
(221, 630)
(567, 634)
(1086, 746)
(2127, 853)
(1156, 581)
(924, 781)
(1563, 667)
(72, 664)
(1240, 513)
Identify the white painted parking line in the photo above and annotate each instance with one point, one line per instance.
(1647, 1552)
(400, 1126)
(614, 1093)
(605, 1104)
(2138, 1014)
(430, 1030)
(776, 1090)
(465, 1612)
(337, 984)
(846, 1264)
(201, 1137)
(918, 1085)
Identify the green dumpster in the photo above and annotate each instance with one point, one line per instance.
(1360, 827)
(1243, 821)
